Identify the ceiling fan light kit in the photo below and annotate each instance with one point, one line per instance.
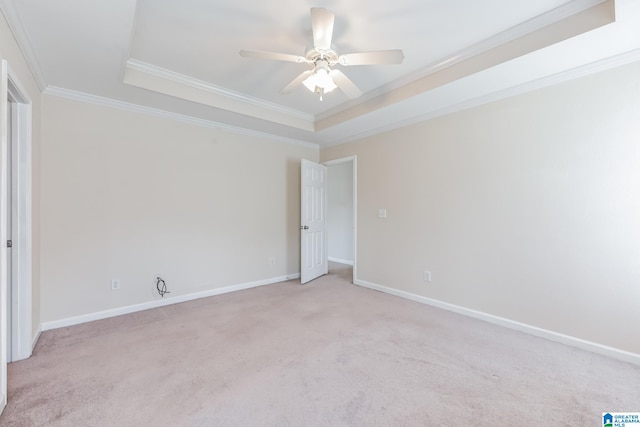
(322, 78)
(320, 81)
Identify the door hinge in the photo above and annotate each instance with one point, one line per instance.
(9, 244)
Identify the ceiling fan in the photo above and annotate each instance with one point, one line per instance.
(322, 57)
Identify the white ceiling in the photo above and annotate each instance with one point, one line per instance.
(181, 58)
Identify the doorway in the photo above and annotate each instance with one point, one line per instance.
(342, 216)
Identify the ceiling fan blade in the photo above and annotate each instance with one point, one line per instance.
(296, 82)
(345, 85)
(322, 25)
(372, 58)
(272, 55)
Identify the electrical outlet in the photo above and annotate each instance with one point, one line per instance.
(115, 284)
(427, 276)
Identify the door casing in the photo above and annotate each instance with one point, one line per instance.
(21, 261)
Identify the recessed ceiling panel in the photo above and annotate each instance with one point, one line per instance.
(202, 39)
(456, 53)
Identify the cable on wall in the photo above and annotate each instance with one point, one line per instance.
(161, 286)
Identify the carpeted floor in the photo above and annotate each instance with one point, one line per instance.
(324, 354)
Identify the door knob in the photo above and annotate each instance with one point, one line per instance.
(304, 227)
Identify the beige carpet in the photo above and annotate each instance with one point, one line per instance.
(324, 354)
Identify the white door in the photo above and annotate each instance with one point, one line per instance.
(313, 222)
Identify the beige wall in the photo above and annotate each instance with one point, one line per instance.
(526, 208)
(127, 196)
(9, 50)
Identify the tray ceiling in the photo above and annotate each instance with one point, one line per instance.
(181, 58)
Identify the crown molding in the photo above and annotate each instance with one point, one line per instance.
(206, 86)
(155, 112)
(507, 36)
(591, 68)
(151, 77)
(22, 39)
(574, 73)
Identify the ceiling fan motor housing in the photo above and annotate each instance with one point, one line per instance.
(314, 55)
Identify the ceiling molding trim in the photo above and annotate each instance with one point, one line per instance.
(582, 71)
(155, 112)
(151, 77)
(22, 39)
(203, 85)
(507, 36)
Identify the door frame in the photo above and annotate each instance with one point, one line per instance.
(21, 205)
(354, 160)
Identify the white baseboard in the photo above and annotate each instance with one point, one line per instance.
(341, 261)
(511, 324)
(76, 320)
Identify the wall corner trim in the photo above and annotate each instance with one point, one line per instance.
(90, 317)
(36, 337)
(593, 347)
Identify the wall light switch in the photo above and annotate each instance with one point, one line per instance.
(427, 276)
(382, 213)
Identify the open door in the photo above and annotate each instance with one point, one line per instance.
(313, 221)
